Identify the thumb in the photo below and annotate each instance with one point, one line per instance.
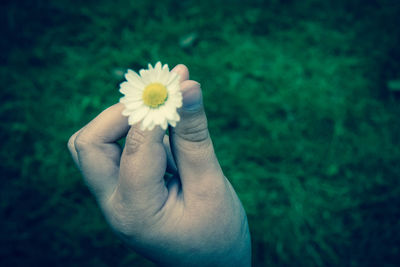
(142, 169)
(191, 142)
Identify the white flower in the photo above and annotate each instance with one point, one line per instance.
(153, 97)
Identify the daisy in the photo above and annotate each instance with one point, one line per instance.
(151, 97)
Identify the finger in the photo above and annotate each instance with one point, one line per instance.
(183, 72)
(143, 164)
(191, 143)
(171, 165)
(98, 153)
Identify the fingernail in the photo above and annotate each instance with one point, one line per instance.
(192, 98)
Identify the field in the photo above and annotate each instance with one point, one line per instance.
(303, 103)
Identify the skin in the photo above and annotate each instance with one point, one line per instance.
(192, 219)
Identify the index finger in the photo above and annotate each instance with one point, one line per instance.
(97, 150)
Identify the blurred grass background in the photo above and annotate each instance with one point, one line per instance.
(303, 109)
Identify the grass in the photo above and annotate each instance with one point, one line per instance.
(298, 105)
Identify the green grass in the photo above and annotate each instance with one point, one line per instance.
(298, 106)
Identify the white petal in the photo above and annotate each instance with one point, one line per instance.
(126, 112)
(168, 111)
(133, 105)
(131, 120)
(158, 66)
(175, 95)
(155, 75)
(172, 123)
(142, 126)
(175, 102)
(164, 125)
(161, 115)
(127, 88)
(141, 112)
(173, 78)
(165, 67)
(164, 76)
(176, 116)
(144, 74)
(151, 126)
(138, 115)
(155, 116)
(148, 120)
(170, 108)
(174, 88)
(178, 104)
(126, 99)
(130, 98)
(133, 78)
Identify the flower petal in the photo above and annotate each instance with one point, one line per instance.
(164, 76)
(128, 88)
(133, 105)
(148, 120)
(172, 78)
(164, 124)
(158, 65)
(144, 74)
(126, 112)
(172, 123)
(165, 67)
(134, 78)
(138, 115)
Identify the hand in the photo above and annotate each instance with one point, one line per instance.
(192, 219)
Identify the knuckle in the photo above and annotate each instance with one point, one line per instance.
(197, 134)
(194, 139)
(195, 130)
(71, 141)
(81, 142)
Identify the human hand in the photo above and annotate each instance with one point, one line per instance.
(192, 219)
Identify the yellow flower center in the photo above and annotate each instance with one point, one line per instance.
(154, 95)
